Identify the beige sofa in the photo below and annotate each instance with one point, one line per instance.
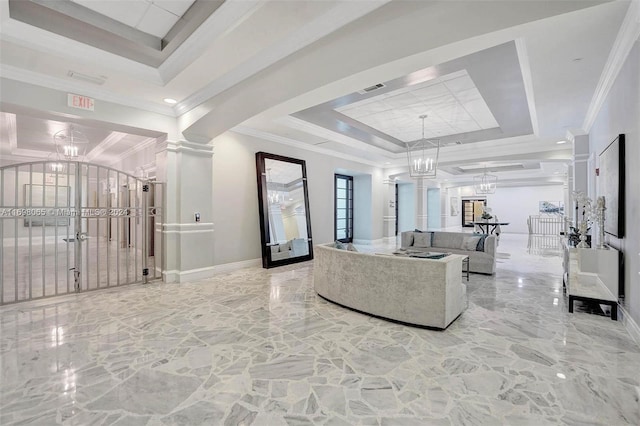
(452, 242)
(423, 292)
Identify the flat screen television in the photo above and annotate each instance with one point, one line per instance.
(611, 185)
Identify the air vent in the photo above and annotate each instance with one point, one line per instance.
(99, 80)
(371, 88)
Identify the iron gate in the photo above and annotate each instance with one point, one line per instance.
(71, 226)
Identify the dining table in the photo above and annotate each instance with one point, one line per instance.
(489, 227)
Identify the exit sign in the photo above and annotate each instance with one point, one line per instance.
(80, 102)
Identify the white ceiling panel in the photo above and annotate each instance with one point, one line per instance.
(128, 12)
(157, 21)
(177, 7)
(452, 104)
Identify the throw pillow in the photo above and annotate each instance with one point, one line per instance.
(470, 243)
(406, 239)
(339, 245)
(480, 246)
(351, 247)
(417, 230)
(422, 239)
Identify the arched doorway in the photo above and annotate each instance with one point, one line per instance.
(70, 226)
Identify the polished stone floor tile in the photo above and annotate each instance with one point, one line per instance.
(259, 347)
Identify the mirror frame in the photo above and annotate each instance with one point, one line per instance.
(263, 205)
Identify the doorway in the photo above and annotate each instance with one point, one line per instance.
(71, 227)
(472, 210)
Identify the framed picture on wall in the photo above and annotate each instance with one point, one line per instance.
(455, 208)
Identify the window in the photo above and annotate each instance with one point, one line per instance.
(344, 208)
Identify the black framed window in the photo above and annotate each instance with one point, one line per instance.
(344, 208)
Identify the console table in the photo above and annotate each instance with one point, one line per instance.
(489, 227)
(592, 275)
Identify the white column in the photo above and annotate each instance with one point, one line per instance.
(301, 221)
(276, 224)
(389, 213)
(580, 144)
(421, 204)
(187, 169)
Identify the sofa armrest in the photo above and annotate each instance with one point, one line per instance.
(490, 245)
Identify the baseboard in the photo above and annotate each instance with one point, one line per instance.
(175, 276)
(234, 266)
(630, 324)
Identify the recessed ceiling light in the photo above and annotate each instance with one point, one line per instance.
(387, 162)
(170, 101)
(561, 142)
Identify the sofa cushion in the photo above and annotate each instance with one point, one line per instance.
(339, 245)
(406, 239)
(470, 243)
(422, 239)
(480, 246)
(351, 247)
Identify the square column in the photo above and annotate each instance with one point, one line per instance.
(187, 169)
(389, 213)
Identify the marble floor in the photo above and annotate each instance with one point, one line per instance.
(259, 347)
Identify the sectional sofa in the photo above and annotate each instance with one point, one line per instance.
(423, 292)
(482, 254)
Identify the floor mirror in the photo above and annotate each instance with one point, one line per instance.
(283, 200)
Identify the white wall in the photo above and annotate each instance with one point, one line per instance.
(362, 207)
(620, 113)
(406, 207)
(452, 223)
(433, 208)
(516, 204)
(235, 194)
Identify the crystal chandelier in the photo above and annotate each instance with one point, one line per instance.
(421, 164)
(485, 183)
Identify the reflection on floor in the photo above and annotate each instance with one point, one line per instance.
(259, 347)
(103, 265)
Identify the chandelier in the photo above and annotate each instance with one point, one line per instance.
(485, 183)
(421, 164)
(70, 144)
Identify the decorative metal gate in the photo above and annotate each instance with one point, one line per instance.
(71, 226)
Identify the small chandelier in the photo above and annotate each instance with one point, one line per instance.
(485, 183)
(70, 144)
(422, 165)
(55, 165)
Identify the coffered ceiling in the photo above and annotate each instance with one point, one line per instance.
(509, 77)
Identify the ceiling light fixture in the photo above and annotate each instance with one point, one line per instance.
(170, 101)
(422, 165)
(485, 183)
(70, 143)
(561, 142)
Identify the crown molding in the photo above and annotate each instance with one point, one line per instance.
(297, 144)
(44, 41)
(188, 147)
(112, 139)
(30, 77)
(627, 37)
(139, 147)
